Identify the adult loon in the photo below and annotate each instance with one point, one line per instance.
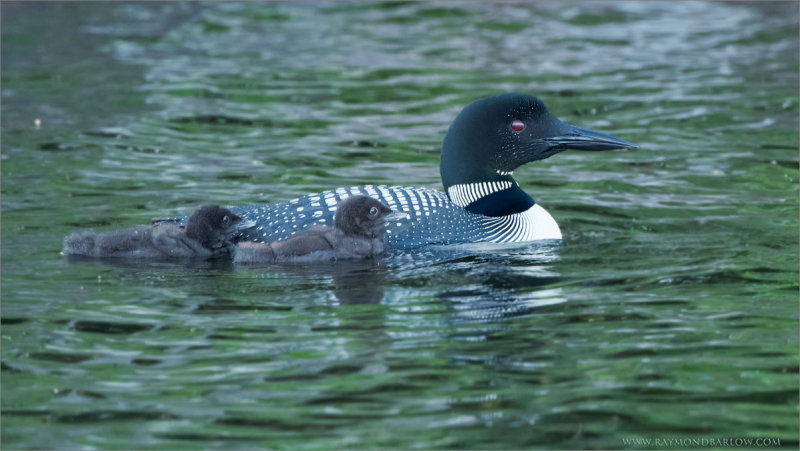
(488, 140)
(357, 234)
(209, 232)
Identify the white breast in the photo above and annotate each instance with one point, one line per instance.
(532, 224)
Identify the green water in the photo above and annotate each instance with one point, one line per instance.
(670, 310)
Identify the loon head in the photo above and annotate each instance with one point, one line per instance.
(493, 136)
(363, 216)
(213, 226)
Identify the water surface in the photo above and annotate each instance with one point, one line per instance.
(668, 311)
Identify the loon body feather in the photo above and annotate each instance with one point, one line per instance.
(434, 219)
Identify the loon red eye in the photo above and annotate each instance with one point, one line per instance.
(517, 125)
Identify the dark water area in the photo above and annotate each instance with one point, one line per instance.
(668, 311)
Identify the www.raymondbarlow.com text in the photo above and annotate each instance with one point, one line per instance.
(709, 442)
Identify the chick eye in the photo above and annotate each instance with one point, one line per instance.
(373, 211)
(226, 219)
(517, 125)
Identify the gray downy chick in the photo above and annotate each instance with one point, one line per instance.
(209, 233)
(357, 234)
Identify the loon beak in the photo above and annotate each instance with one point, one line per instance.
(396, 216)
(246, 224)
(575, 138)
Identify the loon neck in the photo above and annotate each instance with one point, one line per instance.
(498, 195)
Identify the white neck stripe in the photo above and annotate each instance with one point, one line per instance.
(465, 194)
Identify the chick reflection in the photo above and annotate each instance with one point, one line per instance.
(355, 282)
(218, 264)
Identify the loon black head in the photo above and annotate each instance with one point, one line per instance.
(493, 136)
(213, 226)
(363, 216)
